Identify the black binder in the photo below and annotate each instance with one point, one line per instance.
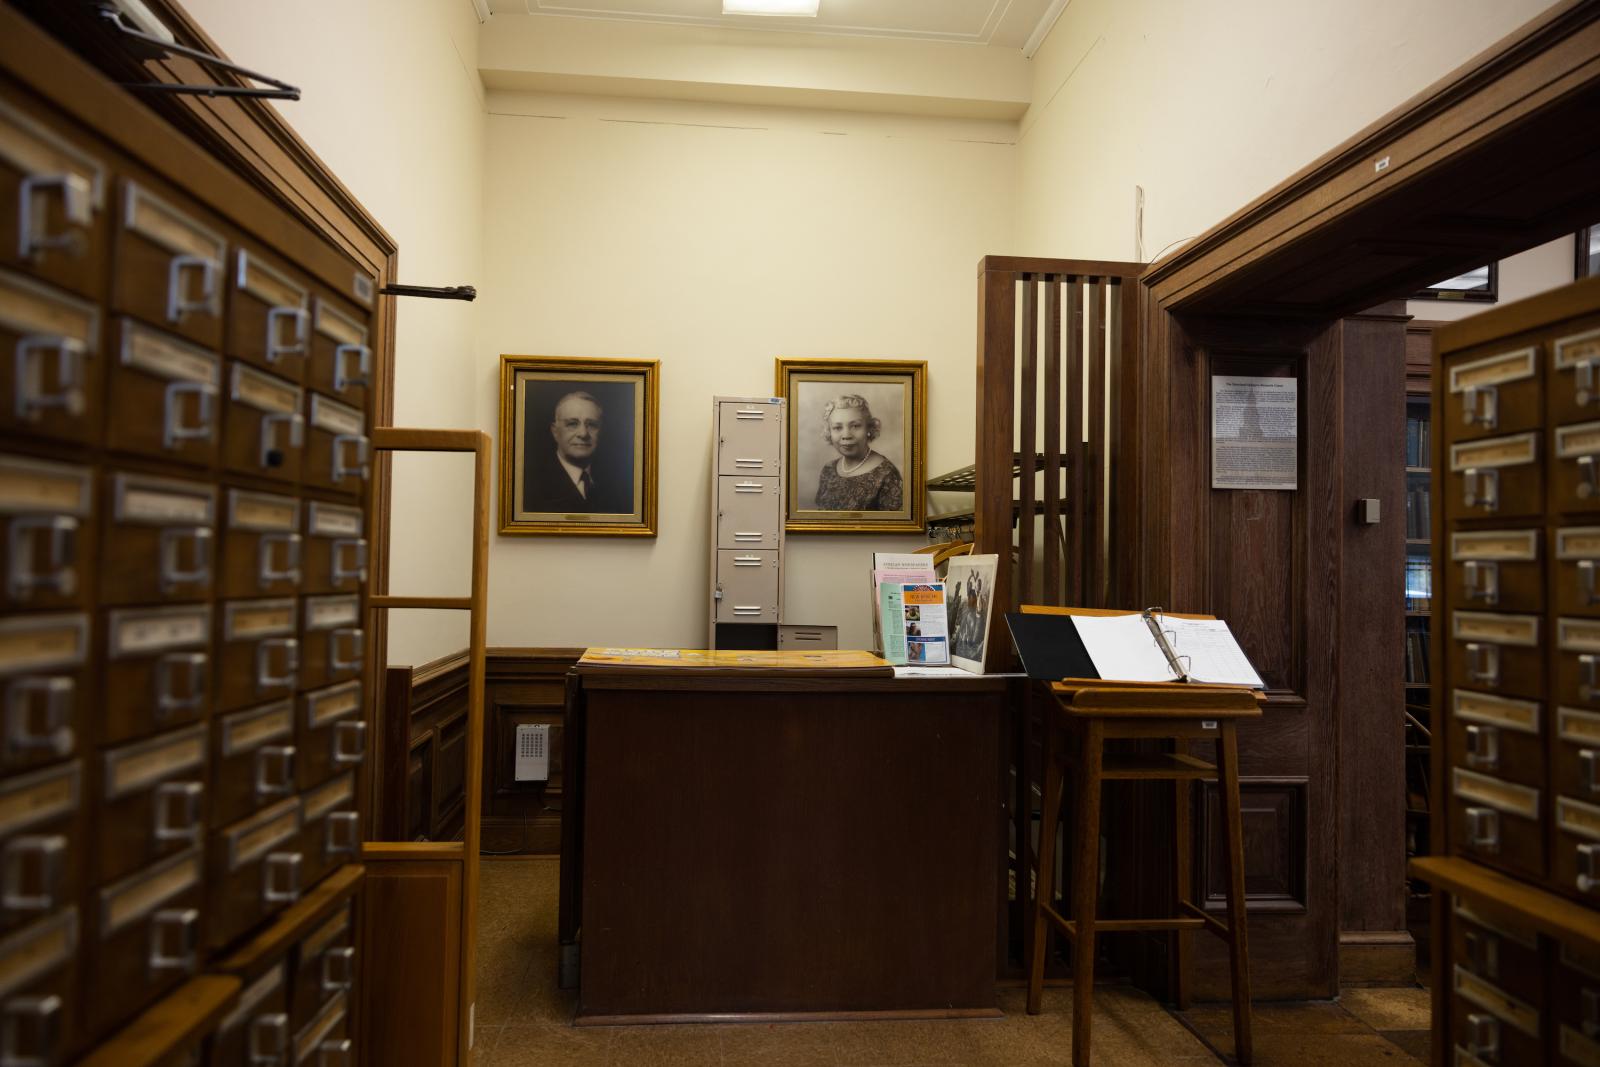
(1050, 647)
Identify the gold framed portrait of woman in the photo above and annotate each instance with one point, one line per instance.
(857, 442)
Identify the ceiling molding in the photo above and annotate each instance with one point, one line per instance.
(1047, 22)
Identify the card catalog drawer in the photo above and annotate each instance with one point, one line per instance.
(331, 827)
(324, 964)
(331, 733)
(1574, 1048)
(1492, 1024)
(749, 439)
(262, 550)
(52, 384)
(1499, 652)
(1575, 1003)
(265, 432)
(337, 449)
(325, 1041)
(165, 540)
(39, 1006)
(333, 645)
(1501, 953)
(1577, 754)
(1495, 476)
(252, 757)
(52, 204)
(255, 871)
(1577, 561)
(146, 938)
(167, 397)
(46, 533)
(341, 354)
(151, 801)
(43, 688)
(42, 845)
(269, 322)
(1497, 736)
(168, 266)
(258, 652)
(1498, 569)
(336, 548)
(1578, 662)
(1575, 481)
(747, 586)
(257, 1032)
(1496, 394)
(1497, 822)
(749, 513)
(1575, 377)
(1576, 867)
(804, 637)
(158, 670)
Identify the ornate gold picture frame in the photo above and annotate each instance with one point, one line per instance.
(858, 433)
(578, 446)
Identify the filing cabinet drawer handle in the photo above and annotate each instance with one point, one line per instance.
(173, 573)
(53, 696)
(33, 400)
(747, 487)
(1480, 406)
(174, 430)
(1483, 663)
(339, 1052)
(750, 413)
(1483, 828)
(746, 536)
(194, 666)
(179, 304)
(44, 858)
(346, 647)
(296, 346)
(747, 561)
(341, 469)
(77, 206)
(757, 463)
(338, 970)
(269, 1040)
(342, 356)
(1481, 488)
(1586, 569)
(349, 742)
(1588, 479)
(266, 652)
(268, 572)
(182, 927)
(343, 835)
(275, 771)
(1589, 674)
(177, 811)
(32, 1031)
(1483, 1035)
(748, 609)
(1482, 581)
(271, 455)
(1590, 759)
(1483, 952)
(57, 574)
(1588, 870)
(1583, 390)
(280, 878)
(1483, 746)
(346, 547)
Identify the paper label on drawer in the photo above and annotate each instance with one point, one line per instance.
(335, 418)
(49, 641)
(1524, 937)
(30, 486)
(1577, 817)
(336, 704)
(133, 634)
(1579, 348)
(1578, 635)
(1502, 1005)
(327, 1020)
(140, 502)
(1495, 545)
(327, 613)
(252, 841)
(170, 228)
(1580, 726)
(325, 935)
(267, 284)
(264, 392)
(253, 995)
(167, 357)
(259, 511)
(330, 520)
(329, 797)
(1580, 440)
(337, 326)
(1520, 630)
(1494, 370)
(258, 620)
(1496, 452)
(34, 149)
(1579, 1049)
(136, 768)
(1503, 796)
(36, 950)
(1578, 542)
(1510, 714)
(31, 310)
(38, 798)
(139, 895)
(252, 729)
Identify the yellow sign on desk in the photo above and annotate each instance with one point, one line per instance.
(728, 659)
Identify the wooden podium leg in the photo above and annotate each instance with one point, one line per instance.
(1045, 880)
(1238, 945)
(1085, 890)
(1182, 879)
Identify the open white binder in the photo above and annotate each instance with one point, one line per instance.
(1149, 646)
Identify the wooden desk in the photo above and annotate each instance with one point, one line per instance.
(779, 845)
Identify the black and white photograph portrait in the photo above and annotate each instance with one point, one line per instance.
(969, 593)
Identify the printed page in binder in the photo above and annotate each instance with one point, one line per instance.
(1209, 653)
(1123, 648)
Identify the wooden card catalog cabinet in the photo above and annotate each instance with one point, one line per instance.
(52, 202)
(266, 431)
(165, 546)
(262, 547)
(51, 383)
(1495, 394)
(1576, 484)
(43, 686)
(167, 266)
(1575, 381)
(181, 383)
(341, 357)
(1577, 554)
(46, 533)
(1497, 568)
(145, 938)
(1497, 652)
(269, 323)
(1495, 476)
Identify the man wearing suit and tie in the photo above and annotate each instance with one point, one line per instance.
(566, 479)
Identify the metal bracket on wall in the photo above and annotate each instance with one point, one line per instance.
(437, 292)
(151, 46)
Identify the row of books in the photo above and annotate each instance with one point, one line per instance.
(1418, 453)
(1419, 585)
(1417, 655)
(1418, 514)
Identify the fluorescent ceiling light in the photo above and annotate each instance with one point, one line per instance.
(802, 8)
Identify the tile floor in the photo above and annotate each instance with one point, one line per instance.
(524, 1020)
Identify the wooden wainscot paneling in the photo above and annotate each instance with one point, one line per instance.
(524, 685)
(411, 965)
(423, 760)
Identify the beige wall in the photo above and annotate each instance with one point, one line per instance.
(1526, 274)
(715, 238)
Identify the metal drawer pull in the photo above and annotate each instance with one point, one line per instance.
(1483, 663)
(339, 1052)
(194, 666)
(1586, 569)
(748, 536)
(1588, 880)
(1483, 747)
(747, 610)
(1483, 952)
(1588, 482)
(1480, 488)
(1590, 759)
(342, 378)
(290, 648)
(341, 469)
(173, 574)
(742, 488)
(1480, 406)
(1583, 391)
(270, 573)
(750, 413)
(177, 811)
(269, 1040)
(749, 462)
(349, 742)
(31, 1031)
(356, 547)
(353, 639)
(1483, 1035)
(179, 305)
(41, 856)
(276, 349)
(77, 206)
(174, 430)
(338, 970)
(1483, 828)
(1482, 581)
(280, 878)
(271, 454)
(53, 698)
(747, 561)
(343, 835)
(275, 771)
(1589, 670)
(1589, 997)
(182, 927)
(32, 399)
(57, 572)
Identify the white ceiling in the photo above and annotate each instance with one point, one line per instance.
(1009, 23)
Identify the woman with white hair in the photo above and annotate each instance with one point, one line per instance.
(862, 478)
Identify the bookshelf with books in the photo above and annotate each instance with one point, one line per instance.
(1418, 606)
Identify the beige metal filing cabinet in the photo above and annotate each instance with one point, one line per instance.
(748, 479)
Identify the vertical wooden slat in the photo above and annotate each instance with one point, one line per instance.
(477, 651)
(1074, 445)
(997, 313)
(1052, 593)
(1126, 494)
(1094, 452)
(1028, 437)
